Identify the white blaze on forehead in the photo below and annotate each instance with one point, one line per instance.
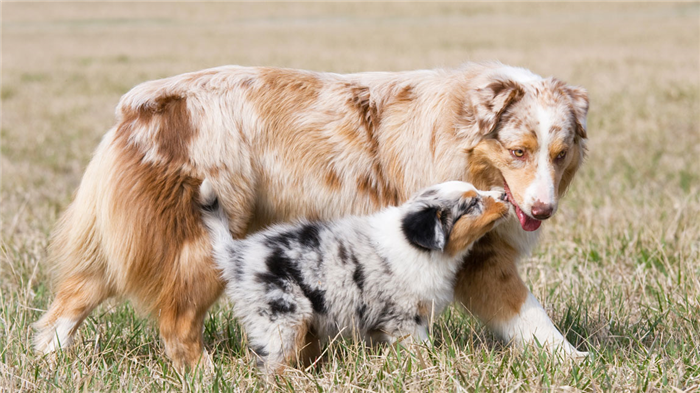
(542, 188)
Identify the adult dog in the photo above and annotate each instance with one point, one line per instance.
(279, 144)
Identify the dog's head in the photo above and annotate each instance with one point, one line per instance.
(530, 139)
(451, 216)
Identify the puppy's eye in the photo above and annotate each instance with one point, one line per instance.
(518, 153)
(469, 205)
(442, 217)
(561, 155)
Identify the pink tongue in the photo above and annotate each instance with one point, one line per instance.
(528, 224)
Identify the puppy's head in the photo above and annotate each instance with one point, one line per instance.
(450, 216)
(530, 140)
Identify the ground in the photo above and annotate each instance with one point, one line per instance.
(617, 268)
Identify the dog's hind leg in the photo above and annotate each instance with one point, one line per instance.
(277, 344)
(77, 296)
(184, 301)
(181, 329)
(77, 260)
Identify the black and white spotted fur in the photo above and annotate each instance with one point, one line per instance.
(378, 277)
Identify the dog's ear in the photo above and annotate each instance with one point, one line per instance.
(492, 101)
(579, 107)
(487, 104)
(426, 228)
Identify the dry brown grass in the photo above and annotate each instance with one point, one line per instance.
(618, 267)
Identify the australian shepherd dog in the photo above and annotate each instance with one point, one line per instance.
(380, 278)
(280, 144)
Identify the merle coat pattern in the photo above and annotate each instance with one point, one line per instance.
(378, 277)
(280, 145)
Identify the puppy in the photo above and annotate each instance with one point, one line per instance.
(378, 277)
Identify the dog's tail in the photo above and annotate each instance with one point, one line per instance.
(216, 221)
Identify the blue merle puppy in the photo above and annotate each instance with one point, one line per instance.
(378, 277)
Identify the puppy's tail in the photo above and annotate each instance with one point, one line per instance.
(216, 221)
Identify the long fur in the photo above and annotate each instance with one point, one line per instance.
(375, 277)
(282, 144)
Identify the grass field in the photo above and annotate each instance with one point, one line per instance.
(618, 267)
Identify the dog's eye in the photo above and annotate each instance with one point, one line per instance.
(518, 153)
(561, 155)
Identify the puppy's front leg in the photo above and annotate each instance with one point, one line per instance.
(421, 335)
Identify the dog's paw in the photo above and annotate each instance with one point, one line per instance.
(579, 355)
(569, 351)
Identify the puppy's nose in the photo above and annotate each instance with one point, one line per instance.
(542, 211)
(503, 197)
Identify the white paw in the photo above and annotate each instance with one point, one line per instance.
(60, 335)
(575, 353)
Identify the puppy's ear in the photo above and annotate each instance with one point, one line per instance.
(425, 228)
(579, 107)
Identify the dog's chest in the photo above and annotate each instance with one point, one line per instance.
(519, 239)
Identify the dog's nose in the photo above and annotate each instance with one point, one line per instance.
(542, 211)
(504, 197)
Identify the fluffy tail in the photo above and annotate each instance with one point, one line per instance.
(216, 221)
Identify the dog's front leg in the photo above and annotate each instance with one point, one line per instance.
(532, 324)
(489, 286)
